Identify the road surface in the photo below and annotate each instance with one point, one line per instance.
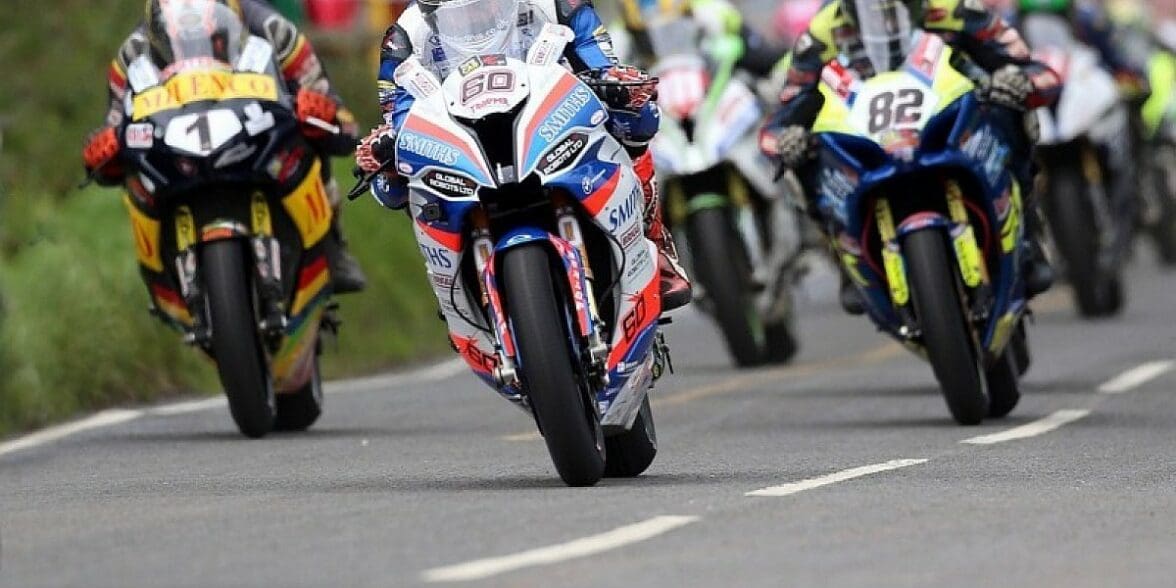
(842, 469)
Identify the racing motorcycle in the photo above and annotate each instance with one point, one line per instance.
(915, 189)
(529, 217)
(1090, 188)
(742, 237)
(237, 260)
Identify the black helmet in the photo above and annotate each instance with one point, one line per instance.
(179, 30)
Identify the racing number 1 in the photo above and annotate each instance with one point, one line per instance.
(885, 113)
(204, 129)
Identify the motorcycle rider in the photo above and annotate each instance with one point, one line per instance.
(633, 116)
(715, 18)
(302, 71)
(1016, 84)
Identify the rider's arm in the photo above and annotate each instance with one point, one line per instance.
(991, 43)
(300, 66)
(395, 101)
(592, 48)
(800, 99)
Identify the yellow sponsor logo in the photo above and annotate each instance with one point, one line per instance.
(1002, 332)
(196, 86)
(145, 231)
(1012, 224)
(309, 207)
(185, 228)
(900, 294)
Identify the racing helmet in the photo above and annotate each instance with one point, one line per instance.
(885, 28)
(182, 30)
(472, 27)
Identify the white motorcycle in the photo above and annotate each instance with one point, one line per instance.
(1085, 148)
(742, 235)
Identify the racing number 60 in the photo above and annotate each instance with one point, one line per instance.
(887, 109)
(495, 81)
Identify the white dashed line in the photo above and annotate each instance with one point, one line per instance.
(811, 483)
(1032, 429)
(1136, 376)
(583, 547)
(189, 406)
(105, 418)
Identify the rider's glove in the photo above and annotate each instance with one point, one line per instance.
(1009, 86)
(376, 149)
(792, 146)
(100, 154)
(630, 89)
(310, 105)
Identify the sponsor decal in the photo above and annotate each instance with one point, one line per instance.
(588, 184)
(836, 184)
(469, 66)
(984, 147)
(436, 257)
(563, 154)
(185, 88)
(563, 114)
(140, 136)
(450, 184)
(428, 148)
(630, 236)
(404, 168)
(597, 117)
(626, 210)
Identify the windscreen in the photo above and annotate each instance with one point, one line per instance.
(885, 28)
(477, 27)
(195, 33)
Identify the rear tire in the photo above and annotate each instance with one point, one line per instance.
(781, 344)
(240, 359)
(298, 410)
(1076, 233)
(946, 338)
(1003, 390)
(720, 266)
(630, 453)
(570, 426)
(1164, 232)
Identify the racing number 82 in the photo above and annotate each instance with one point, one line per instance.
(887, 109)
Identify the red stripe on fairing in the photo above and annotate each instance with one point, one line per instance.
(554, 98)
(312, 271)
(594, 203)
(167, 295)
(116, 76)
(418, 124)
(451, 241)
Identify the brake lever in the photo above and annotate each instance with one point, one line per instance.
(365, 182)
(323, 125)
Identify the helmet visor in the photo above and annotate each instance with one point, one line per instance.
(195, 30)
(475, 27)
(885, 28)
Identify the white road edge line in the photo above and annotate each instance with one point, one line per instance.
(111, 417)
(1136, 376)
(1033, 429)
(105, 418)
(621, 536)
(833, 478)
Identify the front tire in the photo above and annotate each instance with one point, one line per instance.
(721, 266)
(571, 428)
(240, 359)
(298, 410)
(1003, 389)
(1076, 233)
(946, 337)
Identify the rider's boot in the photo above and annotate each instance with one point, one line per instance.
(675, 285)
(850, 297)
(346, 274)
(1039, 274)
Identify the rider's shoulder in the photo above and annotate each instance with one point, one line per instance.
(132, 47)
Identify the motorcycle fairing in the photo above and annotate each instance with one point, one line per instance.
(567, 106)
(856, 165)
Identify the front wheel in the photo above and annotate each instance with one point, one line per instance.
(569, 424)
(1076, 231)
(721, 267)
(946, 336)
(240, 359)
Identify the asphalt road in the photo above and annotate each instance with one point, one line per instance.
(428, 477)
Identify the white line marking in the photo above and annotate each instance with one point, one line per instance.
(583, 547)
(1136, 376)
(187, 407)
(835, 477)
(432, 373)
(105, 418)
(1033, 429)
